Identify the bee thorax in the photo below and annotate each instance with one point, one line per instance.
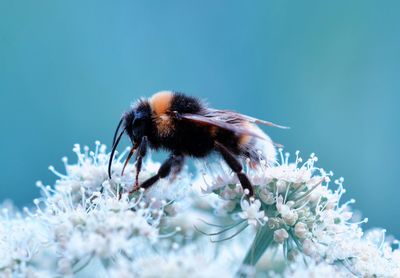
(164, 125)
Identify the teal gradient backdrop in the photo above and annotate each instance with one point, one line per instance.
(330, 70)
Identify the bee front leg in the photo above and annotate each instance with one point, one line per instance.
(236, 167)
(139, 161)
(174, 161)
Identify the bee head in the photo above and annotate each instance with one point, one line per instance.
(136, 122)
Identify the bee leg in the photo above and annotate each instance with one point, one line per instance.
(236, 166)
(139, 158)
(175, 162)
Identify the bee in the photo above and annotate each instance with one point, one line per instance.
(186, 127)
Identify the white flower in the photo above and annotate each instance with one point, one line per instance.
(288, 215)
(367, 257)
(251, 212)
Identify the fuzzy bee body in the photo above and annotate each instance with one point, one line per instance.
(184, 126)
(176, 135)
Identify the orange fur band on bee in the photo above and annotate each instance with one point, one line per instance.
(160, 104)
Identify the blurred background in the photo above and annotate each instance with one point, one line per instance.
(330, 70)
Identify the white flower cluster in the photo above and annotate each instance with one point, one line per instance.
(83, 218)
(21, 240)
(187, 261)
(87, 225)
(296, 209)
(101, 226)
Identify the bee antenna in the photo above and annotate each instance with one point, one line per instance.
(116, 131)
(113, 151)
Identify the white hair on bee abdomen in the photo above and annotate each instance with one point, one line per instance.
(261, 149)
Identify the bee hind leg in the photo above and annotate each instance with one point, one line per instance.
(236, 167)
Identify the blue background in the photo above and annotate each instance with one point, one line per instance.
(330, 70)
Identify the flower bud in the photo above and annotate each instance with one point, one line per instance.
(280, 235)
(301, 230)
(290, 218)
(267, 196)
(281, 186)
(274, 223)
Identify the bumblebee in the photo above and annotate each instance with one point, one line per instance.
(186, 127)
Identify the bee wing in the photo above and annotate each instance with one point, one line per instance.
(221, 123)
(233, 115)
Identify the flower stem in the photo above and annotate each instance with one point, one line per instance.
(261, 242)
